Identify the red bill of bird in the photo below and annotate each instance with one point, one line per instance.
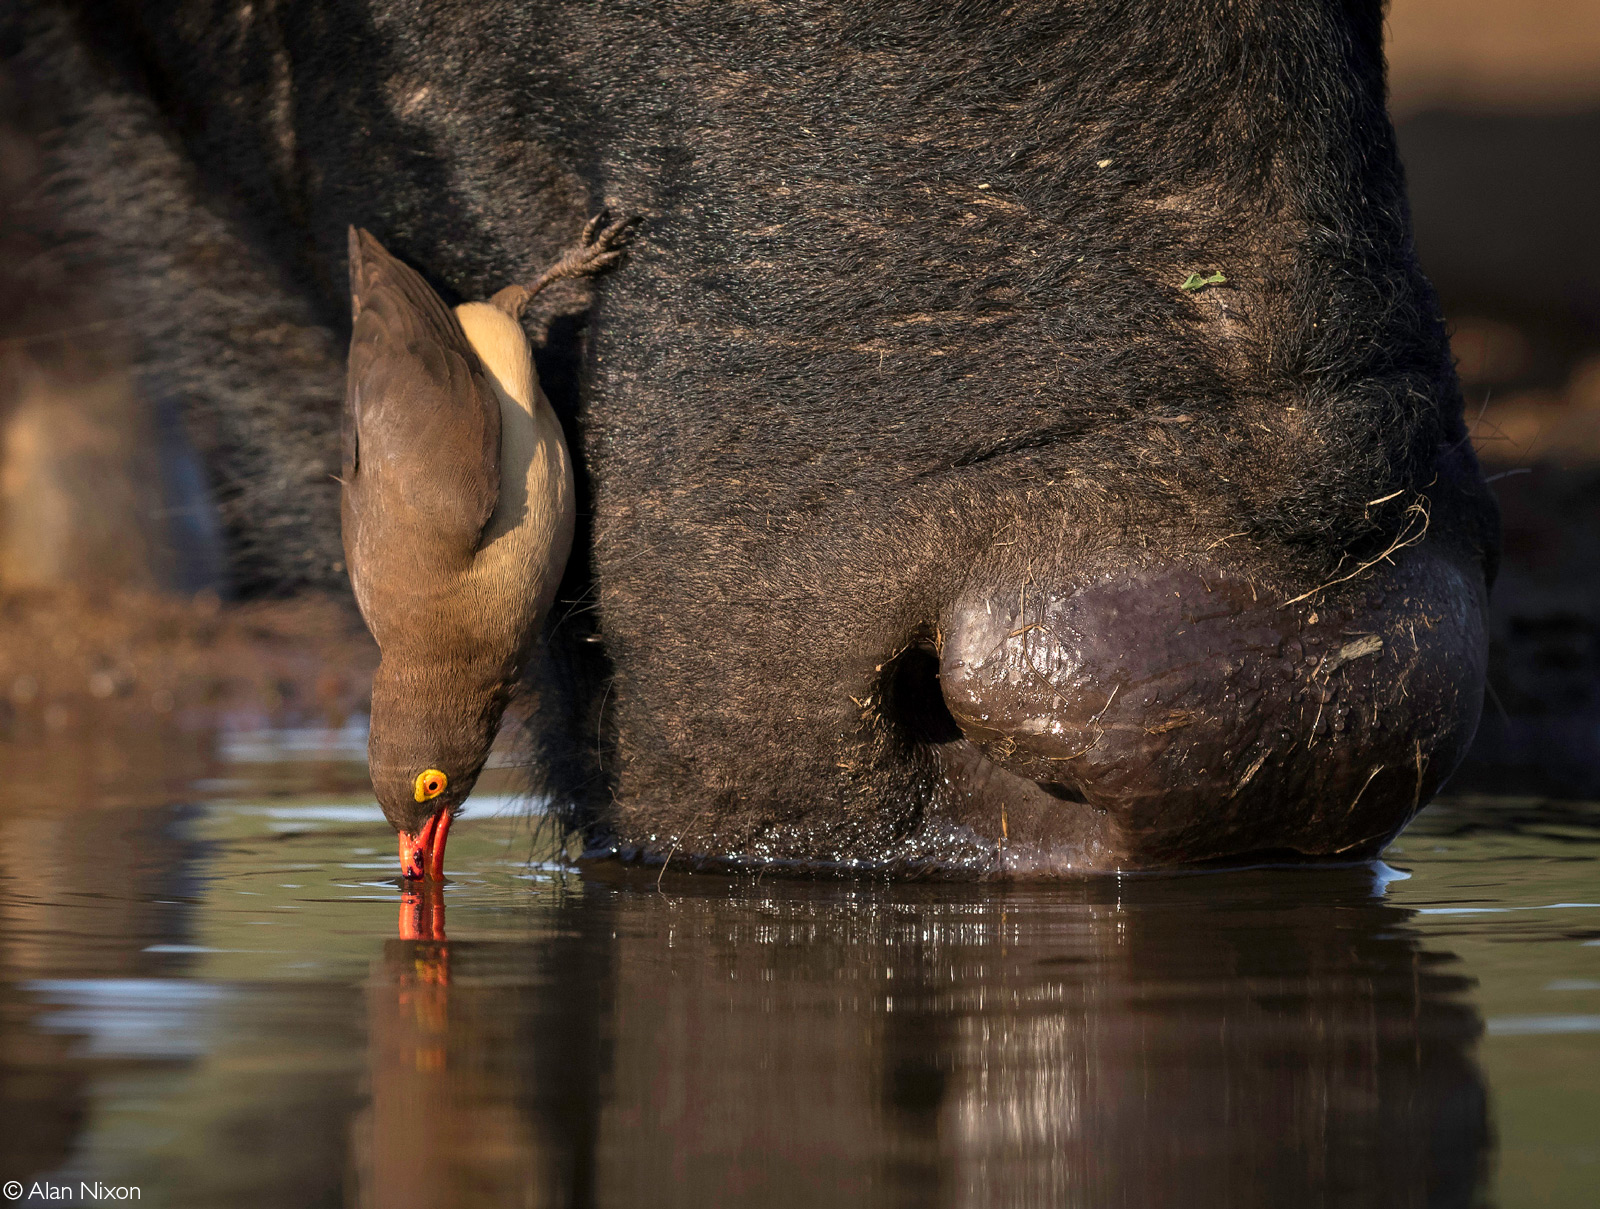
(457, 514)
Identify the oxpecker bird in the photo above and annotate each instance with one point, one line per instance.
(457, 509)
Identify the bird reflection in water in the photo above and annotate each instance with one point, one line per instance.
(400, 1135)
(445, 1123)
(424, 988)
(422, 913)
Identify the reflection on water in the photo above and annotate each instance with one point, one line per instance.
(209, 1001)
(1166, 1041)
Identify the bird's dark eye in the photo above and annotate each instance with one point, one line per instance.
(430, 784)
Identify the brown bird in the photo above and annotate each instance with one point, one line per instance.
(457, 509)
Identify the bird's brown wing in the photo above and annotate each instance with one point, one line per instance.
(421, 425)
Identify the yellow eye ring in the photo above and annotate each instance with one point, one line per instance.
(430, 784)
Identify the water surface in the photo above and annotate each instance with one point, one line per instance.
(203, 995)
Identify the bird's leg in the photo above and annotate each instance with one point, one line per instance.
(598, 248)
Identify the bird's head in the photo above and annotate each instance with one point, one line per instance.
(432, 727)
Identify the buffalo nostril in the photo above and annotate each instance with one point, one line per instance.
(1063, 792)
(913, 700)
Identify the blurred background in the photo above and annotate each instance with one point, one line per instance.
(1497, 107)
(121, 598)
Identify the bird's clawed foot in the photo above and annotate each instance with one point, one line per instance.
(599, 246)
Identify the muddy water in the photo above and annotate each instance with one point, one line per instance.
(203, 996)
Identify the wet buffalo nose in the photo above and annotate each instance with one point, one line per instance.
(1209, 718)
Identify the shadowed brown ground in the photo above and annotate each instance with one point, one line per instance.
(76, 662)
